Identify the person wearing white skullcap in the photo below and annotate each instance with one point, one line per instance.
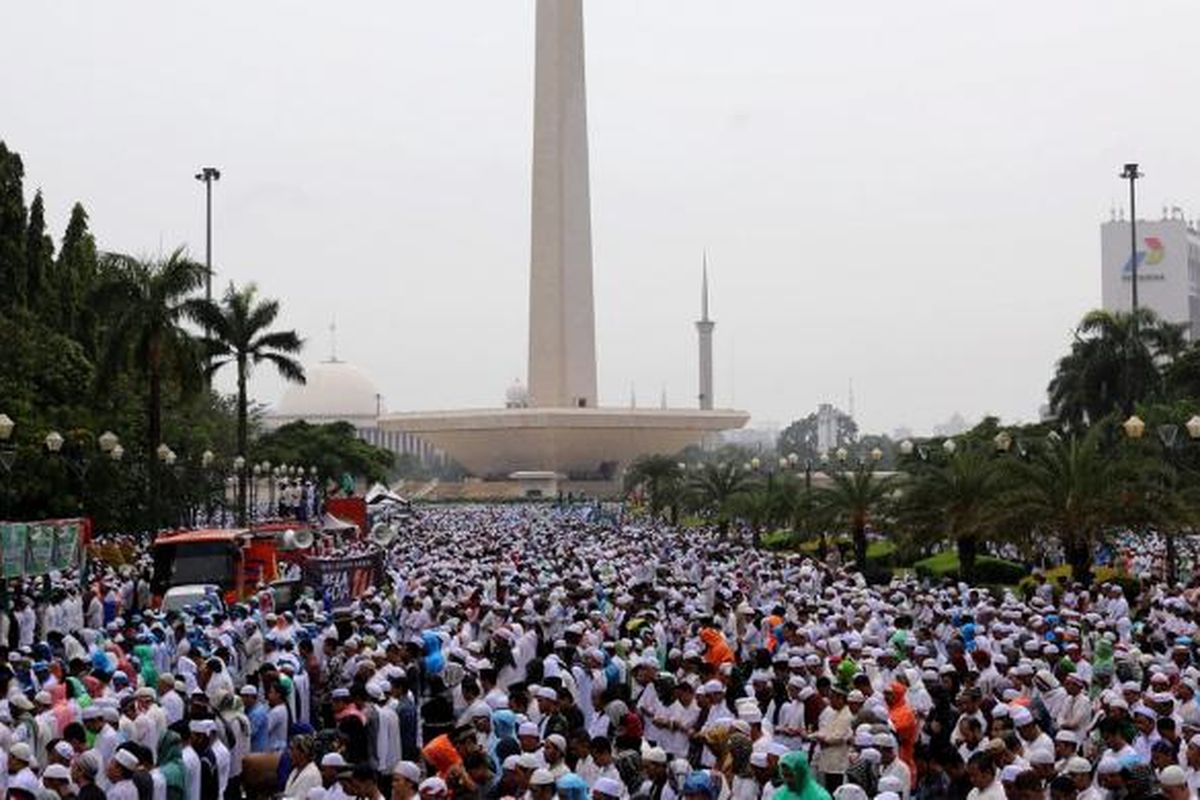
(890, 765)
(120, 774)
(21, 766)
(1173, 781)
(541, 784)
(1075, 713)
(1032, 736)
(608, 789)
(554, 749)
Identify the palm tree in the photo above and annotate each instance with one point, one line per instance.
(957, 499)
(1116, 360)
(661, 477)
(148, 300)
(715, 485)
(856, 498)
(239, 333)
(1071, 490)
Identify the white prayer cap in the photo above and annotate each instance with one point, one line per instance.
(1040, 755)
(405, 769)
(541, 777)
(1078, 765)
(21, 752)
(891, 783)
(126, 759)
(57, 772)
(607, 787)
(655, 755)
(1173, 776)
(434, 785)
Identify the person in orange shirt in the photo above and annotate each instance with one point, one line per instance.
(717, 652)
(904, 722)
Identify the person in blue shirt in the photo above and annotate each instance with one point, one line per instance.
(256, 712)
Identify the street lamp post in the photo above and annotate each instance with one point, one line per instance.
(239, 498)
(207, 175)
(1131, 174)
(257, 471)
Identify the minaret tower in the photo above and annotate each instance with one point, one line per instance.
(704, 327)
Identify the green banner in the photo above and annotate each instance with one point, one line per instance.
(41, 549)
(66, 546)
(13, 540)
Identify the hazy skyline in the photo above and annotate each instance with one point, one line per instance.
(908, 196)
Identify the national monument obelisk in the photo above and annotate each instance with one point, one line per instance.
(560, 428)
(562, 327)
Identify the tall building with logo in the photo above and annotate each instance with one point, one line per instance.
(1168, 267)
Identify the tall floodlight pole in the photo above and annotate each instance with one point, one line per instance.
(1131, 174)
(207, 175)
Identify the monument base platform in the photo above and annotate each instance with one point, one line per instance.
(580, 443)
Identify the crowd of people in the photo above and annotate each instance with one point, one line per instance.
(530, 652)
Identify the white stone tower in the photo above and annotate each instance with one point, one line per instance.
(562, 327)
(704, 327)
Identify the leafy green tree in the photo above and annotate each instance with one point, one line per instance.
(855, 499)
(801, 436)
(661, 478)
(149, 300)
(334, 449)
(77, 279)
(39, 254)
(13, 280)
(239, 333)
(1116, 360)
(957, 499)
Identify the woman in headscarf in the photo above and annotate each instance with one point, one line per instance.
(904, 722)
(170, 764)
(717, 650)
(572, 787)
(441, 755)
(798, 781)
(700, 786)
(145, 657)
(434, 660)
(502, 742)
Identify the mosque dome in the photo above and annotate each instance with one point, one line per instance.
(517, 396)
(335, 390)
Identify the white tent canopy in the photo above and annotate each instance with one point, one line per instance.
(381, 494)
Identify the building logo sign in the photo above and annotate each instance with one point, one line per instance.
(1151, 256)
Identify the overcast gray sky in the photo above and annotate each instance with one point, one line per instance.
(906, 194)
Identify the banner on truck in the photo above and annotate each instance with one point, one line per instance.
(339, 580)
